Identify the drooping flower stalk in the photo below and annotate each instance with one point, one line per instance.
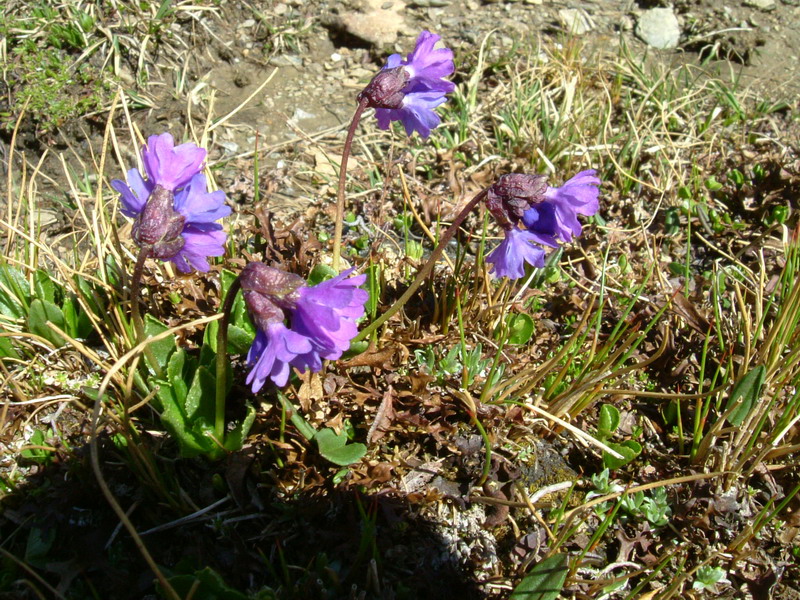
(425, 270)
(339, 219)
(512, 200)
(405, 90)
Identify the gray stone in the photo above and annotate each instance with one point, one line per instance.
(761, 4)
(377, 22)
(658, 27)
(575, 20)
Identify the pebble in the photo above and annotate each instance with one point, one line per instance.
(659, 28)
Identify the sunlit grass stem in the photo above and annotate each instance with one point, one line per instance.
(424, 270)
(339, 218)
(222, 357)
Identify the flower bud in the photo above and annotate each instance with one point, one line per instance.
(386, 89)
(268, 291)
(512, 195)
(159, 226)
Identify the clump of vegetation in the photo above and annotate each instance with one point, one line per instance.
(46, 75)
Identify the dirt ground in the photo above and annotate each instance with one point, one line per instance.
(300, 64)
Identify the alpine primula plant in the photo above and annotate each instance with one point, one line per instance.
(404, 90)
(321, 321)
(547, 214)
(175, 214)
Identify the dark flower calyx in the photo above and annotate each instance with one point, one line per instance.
(159, 226)
(267, 291)
(512, 195)
(386, 89)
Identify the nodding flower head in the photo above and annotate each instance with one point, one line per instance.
(547, 214)
(321, 321)
(159, 226)
(267, 291)
(174, 212)
(512, 195)
(386, 88)
(409, 89)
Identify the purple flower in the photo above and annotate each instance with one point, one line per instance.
(548, 214)
(328, 311)
(557, 216)
(322, 321)
(168, 165)
(509, 258)
(272, 352)
(408, 90)
(175, 214)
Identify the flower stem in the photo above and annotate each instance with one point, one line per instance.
(136, 315)
(425, 270)
(339, 219)
(222, 360)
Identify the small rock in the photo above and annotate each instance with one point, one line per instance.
(429, 3)
(761, 4)
(378, 23)
(658, 27)
(575, 20)
(230, 147)
(286, 60)
(300, 114)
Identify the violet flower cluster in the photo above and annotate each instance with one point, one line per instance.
(408, 90)
(321, 321)
(175, 214)
(548, 216)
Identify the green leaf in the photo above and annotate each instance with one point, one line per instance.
(78, 324)
(162, 348)
(678, 269)
(321, 273)
(40, 542)
(336, 449)
(234, 440)
(173, 416)
(43, 286)
(239, 339)
(306, 430)
(520, 329)
(201, 399)
(628, 449)
(70, 317)
(175, 373)
(748, 388)
(15, 295)
(374, 289)
(6, 347)
(42, 312)
(89, 296)
(39, 455)
(205, 584)
(609, 421)
(544, 581)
